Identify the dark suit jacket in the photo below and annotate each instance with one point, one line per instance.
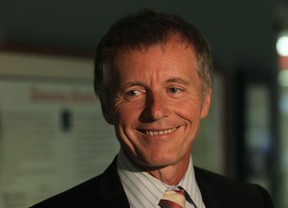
(106, 190)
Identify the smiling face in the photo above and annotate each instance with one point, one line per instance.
(156, 104)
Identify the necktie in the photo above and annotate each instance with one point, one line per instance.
(173, 198)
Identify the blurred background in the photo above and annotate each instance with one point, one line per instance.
(52, 134)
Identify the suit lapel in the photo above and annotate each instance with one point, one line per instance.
(111, 189)
(210, 197)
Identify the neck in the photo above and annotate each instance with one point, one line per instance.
(172, 174)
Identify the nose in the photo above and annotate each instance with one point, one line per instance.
(156, 107)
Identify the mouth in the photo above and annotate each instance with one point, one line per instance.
(157, 132)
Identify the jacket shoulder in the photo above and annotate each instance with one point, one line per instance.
(73, 197)
(104, 190)
(230, 192)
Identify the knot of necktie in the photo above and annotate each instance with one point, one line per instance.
(175, 197)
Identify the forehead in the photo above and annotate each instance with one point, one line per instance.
(169, 52)
(159, 63)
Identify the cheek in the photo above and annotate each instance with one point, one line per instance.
(189, 110)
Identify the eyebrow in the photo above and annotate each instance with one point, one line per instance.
(131, 84)
(177, 80)
(170, 80)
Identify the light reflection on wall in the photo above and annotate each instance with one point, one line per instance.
(282, 49)
(282, 44)
(283, 78)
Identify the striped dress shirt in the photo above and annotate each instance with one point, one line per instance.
(145, 191)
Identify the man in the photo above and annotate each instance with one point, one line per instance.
(153, 76)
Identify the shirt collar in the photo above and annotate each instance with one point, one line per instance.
(142, 189)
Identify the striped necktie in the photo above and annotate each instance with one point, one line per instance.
(175, 197)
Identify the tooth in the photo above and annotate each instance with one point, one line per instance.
(152, 133)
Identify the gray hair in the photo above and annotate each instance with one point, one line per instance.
(142, 30)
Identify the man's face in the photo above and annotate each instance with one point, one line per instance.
(157, 104)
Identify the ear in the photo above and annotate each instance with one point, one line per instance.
(106, 111)
(206, 104)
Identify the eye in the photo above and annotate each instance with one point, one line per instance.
(132, 93)
(174, 90)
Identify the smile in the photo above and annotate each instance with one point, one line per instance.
(156, 133)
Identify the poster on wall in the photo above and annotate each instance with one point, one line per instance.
(52, 137)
